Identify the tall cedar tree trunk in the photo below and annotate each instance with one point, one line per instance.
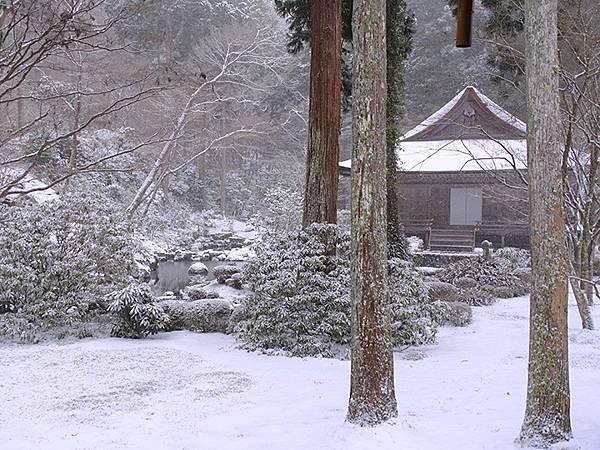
(399, 46)
(322, 158)
(547, 416)
(372, 397)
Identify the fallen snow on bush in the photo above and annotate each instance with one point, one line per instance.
(198, 391)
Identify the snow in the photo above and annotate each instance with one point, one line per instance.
(237, 227)
(28, 182)
(184, 390)
(460, 155)
(493, 107)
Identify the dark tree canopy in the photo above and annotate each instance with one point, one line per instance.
(505, 21)
(297, 15)
(399, 32)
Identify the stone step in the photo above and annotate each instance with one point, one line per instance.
(450, 240)
(451, 248)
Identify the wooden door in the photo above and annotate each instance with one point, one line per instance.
(465, 205)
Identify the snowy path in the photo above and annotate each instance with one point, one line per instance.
(185, 390)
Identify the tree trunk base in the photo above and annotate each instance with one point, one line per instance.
(366, 417)
(541, 436)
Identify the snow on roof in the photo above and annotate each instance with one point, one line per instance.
(460, 137)
(467, 94)
(459, 156)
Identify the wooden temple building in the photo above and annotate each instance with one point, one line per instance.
(462, 173)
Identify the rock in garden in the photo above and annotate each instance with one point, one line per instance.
(235, 281)
(168, 295)
(222, 273)
(198, 268)
(439, 290)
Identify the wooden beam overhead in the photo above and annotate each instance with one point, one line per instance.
(464, 23)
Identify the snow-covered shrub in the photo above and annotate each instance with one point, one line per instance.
(438, 290)
(482, 280)
(413, 315)
(455, 314)
(524, 274)
(414, 244)
(197, 292)
(478, 296)
(136, 312)
(465, 283)
(487, 273)
(300, 299)
(518, 258)
(224, 272)
(58, 260)
(207, 316)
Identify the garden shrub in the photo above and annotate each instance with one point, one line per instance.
(58, 259)
(197, 292)
(224, 272)
(455, 314)
(136, 312)
(517, 258)
(478, 296)
(205, 316)
(414, 317)
(486, 272)
(300, 297)
(438, 290)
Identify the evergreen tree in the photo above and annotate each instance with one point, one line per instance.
(297, 14)
(400, 28)
(399, 31)
(324, 116)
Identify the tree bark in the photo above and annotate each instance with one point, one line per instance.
(547, 415)
(372, 397)
(322, 157)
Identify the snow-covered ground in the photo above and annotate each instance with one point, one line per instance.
(193, 391)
